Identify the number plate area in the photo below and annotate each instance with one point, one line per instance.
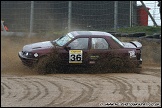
(75, 56)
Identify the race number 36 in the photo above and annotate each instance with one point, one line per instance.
(75, 56)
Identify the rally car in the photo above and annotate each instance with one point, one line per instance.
(82, 48)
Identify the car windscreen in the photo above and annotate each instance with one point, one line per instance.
(64, 39)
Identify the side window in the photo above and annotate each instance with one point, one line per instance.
(99, 43)
(79, 43)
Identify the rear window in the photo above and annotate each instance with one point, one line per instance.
(117, 40)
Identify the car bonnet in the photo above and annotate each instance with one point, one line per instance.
(38, 45)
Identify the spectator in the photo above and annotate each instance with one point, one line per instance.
(4, 25)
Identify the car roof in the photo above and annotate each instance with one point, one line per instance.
(90, 33)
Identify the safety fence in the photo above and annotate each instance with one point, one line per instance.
(54, 16)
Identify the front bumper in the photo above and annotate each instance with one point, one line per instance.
(27, 61)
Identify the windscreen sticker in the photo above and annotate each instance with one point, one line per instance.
(75, 56)
(132, 54)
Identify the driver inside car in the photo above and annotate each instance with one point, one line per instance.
(79, 44)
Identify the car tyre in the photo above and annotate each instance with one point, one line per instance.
(46, 65)
(138, 69)
(116, 64)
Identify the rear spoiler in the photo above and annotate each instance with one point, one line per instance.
(137, 44)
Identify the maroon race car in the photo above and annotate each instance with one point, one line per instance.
(83, 48)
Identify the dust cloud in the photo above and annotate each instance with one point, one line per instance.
(10, 62)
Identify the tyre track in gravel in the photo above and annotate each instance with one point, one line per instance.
(66, 90)
(137, 89)
(123, 87)
(85, 96)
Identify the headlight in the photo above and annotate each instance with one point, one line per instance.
(28, 54)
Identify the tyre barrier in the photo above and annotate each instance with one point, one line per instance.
(138, 34)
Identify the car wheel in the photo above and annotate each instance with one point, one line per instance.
(138, 70)
(116, 64)
(45, 65)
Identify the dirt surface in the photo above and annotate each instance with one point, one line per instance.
(23, 87)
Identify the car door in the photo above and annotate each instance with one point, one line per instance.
(75, 53)
(100, 50)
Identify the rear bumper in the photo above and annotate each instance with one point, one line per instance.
(27, 61)
(133, 62)
(138, 62)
